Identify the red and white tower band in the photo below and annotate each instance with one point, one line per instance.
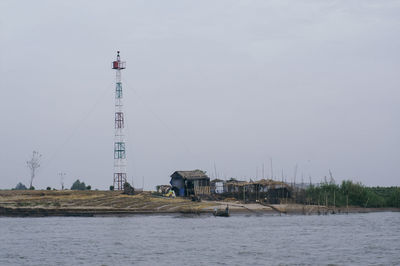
(119, 137)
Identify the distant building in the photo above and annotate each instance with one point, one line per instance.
(267, 190)
(217, 186)
(163, 189)
(188, 183)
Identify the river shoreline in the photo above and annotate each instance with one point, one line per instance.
(114, 203)
(42, 212)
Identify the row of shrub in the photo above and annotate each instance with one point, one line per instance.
(77, 185)
(353, 194)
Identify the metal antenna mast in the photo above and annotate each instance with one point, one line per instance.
(119, 137)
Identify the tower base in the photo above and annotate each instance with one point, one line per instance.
(119, 180)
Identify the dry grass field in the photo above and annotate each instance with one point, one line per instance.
(43, 202)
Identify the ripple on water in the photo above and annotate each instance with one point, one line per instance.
(201, 240)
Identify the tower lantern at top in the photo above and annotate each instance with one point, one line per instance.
(118, 64)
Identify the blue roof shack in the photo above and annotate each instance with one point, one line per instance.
(188, 183)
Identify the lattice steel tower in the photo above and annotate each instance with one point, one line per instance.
(119, 137)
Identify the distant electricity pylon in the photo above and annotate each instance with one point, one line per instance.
(119, 138)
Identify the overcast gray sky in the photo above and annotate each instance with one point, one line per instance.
(235, 83)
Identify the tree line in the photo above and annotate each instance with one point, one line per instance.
(77, 185)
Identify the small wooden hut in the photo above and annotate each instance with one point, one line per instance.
(188, 183)
(163, 189)
(217, 186)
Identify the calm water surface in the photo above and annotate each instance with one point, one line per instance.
(354, 239)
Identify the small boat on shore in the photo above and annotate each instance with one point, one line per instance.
(221, 212)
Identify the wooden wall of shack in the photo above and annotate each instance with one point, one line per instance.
(198, 187)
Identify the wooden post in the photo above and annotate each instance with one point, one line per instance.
(319, 201)
(334, 201)
(326, 200)
(334, 198)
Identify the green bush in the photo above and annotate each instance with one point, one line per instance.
(355, 194)
(78, 185)
(20, 186)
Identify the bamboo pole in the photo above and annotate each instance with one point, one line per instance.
(334, 199)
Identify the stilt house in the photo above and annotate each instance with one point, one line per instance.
(271, 191)
(217, 186)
